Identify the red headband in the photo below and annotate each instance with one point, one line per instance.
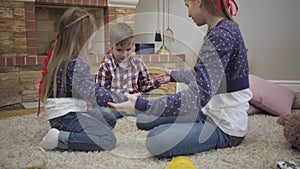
(43, 75)
(230, 4)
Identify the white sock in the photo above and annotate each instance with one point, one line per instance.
(50, 140)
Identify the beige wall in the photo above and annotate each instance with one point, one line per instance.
(270, 29)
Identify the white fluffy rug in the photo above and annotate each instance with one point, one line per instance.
(262, 148)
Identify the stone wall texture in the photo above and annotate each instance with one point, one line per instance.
(18, 85)
(13, 41)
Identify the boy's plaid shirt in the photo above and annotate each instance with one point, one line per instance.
(134, 78)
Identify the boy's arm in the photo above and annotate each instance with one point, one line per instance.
(104, 76)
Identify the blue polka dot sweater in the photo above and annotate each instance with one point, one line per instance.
(222, 67)
(80, 84)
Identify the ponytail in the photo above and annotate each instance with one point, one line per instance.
(225, 8)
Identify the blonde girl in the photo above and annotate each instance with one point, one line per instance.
(67, 87)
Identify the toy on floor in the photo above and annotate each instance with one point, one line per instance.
(181, 162)
(32, 157)
(287, 165)
(291, 130)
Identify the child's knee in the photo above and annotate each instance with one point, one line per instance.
(112, 143)
(156, 143)
(107, 142)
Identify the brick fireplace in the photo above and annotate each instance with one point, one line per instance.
(28, 28)
(35, 22)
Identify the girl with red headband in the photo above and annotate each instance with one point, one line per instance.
(67, 86)
(212, 112)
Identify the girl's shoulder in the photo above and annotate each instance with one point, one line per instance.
(227, 24)
(226, 30)
(78, 63)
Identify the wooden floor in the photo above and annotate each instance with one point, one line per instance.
(11, 113)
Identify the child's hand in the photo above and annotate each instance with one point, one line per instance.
(128, 106)
(164, 77)
(89, 105)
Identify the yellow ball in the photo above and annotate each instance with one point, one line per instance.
(181, 162)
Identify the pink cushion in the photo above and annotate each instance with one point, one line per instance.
(271, 97)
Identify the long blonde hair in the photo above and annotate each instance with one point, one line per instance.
(75, 27)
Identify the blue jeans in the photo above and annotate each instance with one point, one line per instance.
(185, 135)
(89, 131)
(116, 114)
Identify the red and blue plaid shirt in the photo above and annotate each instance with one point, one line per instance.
(133, 78)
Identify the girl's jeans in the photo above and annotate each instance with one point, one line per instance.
(107, 110)
(88, 131)
(183, 135)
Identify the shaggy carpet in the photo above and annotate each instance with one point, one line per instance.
(263, 147)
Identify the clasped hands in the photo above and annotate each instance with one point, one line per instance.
(129, 106)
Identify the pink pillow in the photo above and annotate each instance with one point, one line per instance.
(271, 97)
